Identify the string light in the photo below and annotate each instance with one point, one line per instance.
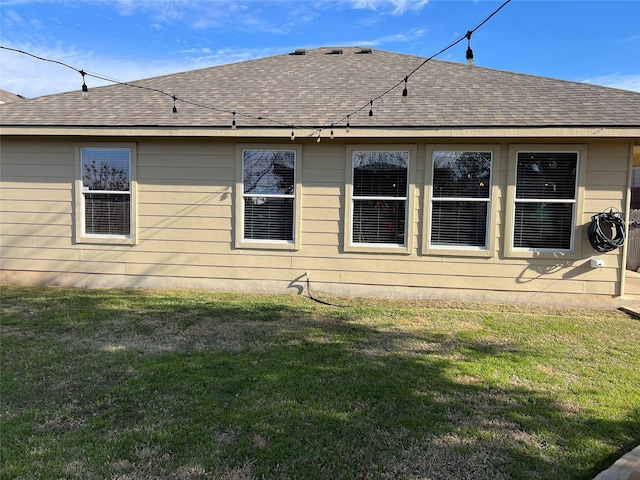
(495, 12)
(233, 121)
(175, 110)
(470, 61)
(293, 135)
(319, 135)
(85, 89)
(347, 117)
(405, 92)
(332, 135)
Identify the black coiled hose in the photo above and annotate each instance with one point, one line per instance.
(598, 239)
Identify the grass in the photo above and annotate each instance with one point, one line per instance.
(135, 384)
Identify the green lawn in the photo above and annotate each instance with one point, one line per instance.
(136, 384)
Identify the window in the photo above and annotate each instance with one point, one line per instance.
(460, 199)
(268, 195)
(379, 201)
(545, 199)
(106, 186)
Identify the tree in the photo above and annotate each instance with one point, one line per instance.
(104, 175)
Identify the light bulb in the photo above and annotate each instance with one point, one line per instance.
(405, 92)
(348, 128)
(85, 89)
(293, 135)
(470, 61)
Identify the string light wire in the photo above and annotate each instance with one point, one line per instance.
(448, 47)
(143, 87)
(346, 117)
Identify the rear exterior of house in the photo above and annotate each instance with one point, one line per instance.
(400, 207)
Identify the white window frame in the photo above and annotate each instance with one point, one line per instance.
(240, 240)
(81, 236)
(408, 246)
(489, 250)
(574, 251)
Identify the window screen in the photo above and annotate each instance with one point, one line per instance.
(379, 199)
(106, 189)
(268, 179)
(545, 200)
(460, 198)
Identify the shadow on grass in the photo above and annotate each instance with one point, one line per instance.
(125, 384)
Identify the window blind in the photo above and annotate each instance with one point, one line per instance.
(460, 199)
(268, 218)
(544, 216)
(459, 224)
(107, 214)
(379, 198)
(106, 188)
(268, 178)
(379, 221)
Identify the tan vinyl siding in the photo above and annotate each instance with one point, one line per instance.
(186, 216)
(323, 200)
(607, 178)
(36, 203)
(184, 199)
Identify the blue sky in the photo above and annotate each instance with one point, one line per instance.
(595, 41)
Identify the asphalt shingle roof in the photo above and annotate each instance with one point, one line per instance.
(320, 88)
(7, 97)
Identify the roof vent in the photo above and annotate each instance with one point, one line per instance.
(335, 51)
(300, 51)
(365, 50)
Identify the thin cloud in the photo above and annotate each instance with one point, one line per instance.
(200, 15)
(246, 15)
(13, 18)
(408, 37)
(617, 80)
(205, 57)
(399, 6)
(30, 77)
(247, 12)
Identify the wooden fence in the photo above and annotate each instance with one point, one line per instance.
(633, 248)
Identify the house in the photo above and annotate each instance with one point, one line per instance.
(309, 166)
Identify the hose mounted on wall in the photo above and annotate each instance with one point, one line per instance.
(612, 221)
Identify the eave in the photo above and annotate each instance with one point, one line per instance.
(594, 131)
